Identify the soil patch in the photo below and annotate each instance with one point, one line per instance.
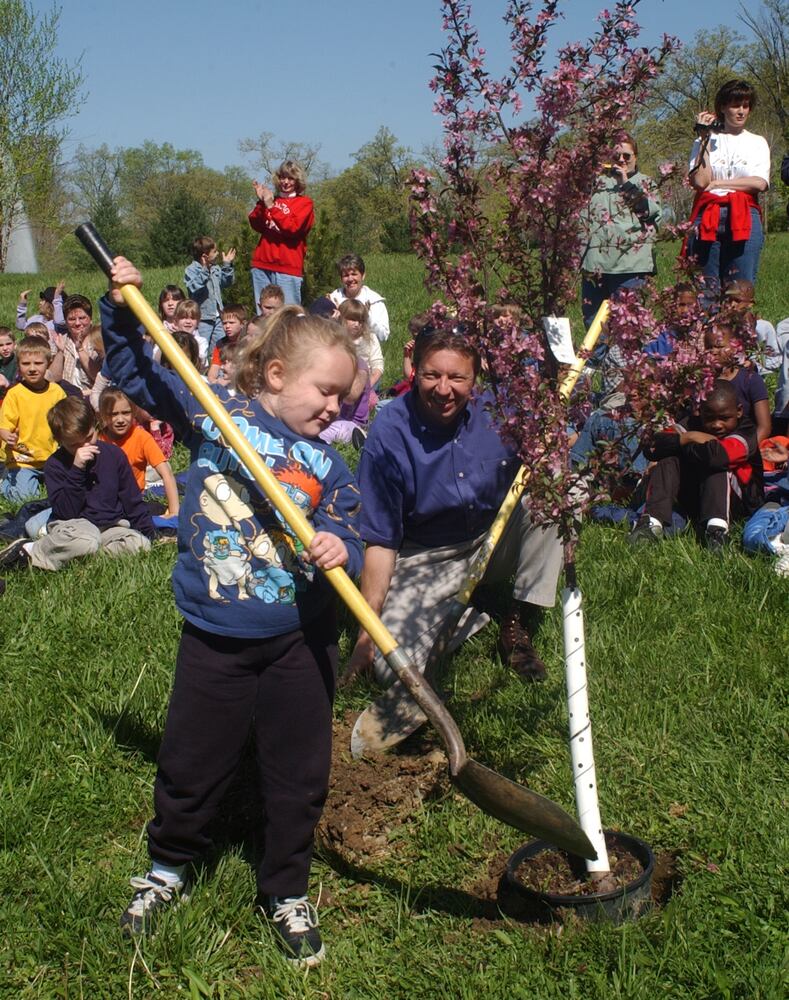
(565, 874)
(371, 799)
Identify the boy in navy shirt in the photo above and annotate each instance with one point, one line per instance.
(96, 504)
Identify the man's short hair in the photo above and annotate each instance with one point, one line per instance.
(351, 262)
(33, 345)
(77, 302)
(71, 418)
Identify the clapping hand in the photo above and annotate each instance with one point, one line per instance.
(230, 256)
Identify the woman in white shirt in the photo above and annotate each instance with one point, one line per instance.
(729, 168)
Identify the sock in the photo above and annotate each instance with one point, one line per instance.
(717, 522)
(171, 874)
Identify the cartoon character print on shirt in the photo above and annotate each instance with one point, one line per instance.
(225, 502)
(235, 548)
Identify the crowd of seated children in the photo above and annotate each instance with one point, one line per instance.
(96, 504)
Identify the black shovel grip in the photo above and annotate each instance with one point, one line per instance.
(95, 245)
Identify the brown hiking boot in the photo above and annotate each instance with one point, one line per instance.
(516, 650)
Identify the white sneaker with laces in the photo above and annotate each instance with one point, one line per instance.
(295, 920)
(152, 895)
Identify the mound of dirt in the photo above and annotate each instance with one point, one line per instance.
(371, 798)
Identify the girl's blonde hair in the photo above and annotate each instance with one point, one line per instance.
(107, 400)
(355, 311)
(290, 337)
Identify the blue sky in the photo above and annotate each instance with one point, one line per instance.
(203, 75)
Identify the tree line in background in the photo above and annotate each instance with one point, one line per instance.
(150, 201)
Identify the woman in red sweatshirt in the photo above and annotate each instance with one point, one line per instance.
(283, 220)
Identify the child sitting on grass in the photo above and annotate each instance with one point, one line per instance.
(259, 645)
(355, 317)
(711, 473)
(169, 297)
(95, 502)
(23, 421)
(234, 320)
(352, 271)
(204, 280)
(118, 427)
(8, 368)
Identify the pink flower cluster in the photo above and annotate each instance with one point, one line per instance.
(504, 220)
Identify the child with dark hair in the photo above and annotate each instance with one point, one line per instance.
(711, 473)
(204, 280)
(96, 504)
(169, 297)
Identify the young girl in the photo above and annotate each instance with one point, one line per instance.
(7, 361)
(169, 297)
(119, 427)
(356, 319)
(258, 647)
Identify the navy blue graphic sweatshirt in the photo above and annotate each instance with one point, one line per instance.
(240, 570)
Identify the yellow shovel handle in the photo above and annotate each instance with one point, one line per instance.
(234, 439)
(477, 568)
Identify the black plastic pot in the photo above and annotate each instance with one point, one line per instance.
(626, 903)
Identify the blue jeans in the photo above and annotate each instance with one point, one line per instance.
(602, 427)
(596, 288)
(21, 484)
(289, 283)
(724, 259)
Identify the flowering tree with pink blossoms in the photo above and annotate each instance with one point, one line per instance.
(506, 222)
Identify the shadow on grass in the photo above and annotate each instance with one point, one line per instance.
(131, 734)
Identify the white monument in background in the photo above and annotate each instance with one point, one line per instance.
(21, 256)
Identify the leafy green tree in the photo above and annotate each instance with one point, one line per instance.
(38, 93)
(323, 251)
(180, 220)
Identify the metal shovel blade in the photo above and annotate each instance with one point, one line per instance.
(522, 808)
(386, 722)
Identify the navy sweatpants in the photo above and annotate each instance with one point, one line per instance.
(284, 688)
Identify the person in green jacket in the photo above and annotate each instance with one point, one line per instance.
(622, 220)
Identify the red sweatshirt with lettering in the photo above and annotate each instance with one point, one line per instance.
(283, 229)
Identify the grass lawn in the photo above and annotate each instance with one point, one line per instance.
(688, 666)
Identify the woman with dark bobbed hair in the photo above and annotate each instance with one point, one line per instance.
(729, 169)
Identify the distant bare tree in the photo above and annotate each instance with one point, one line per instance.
(267, 152)
(767, 60)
